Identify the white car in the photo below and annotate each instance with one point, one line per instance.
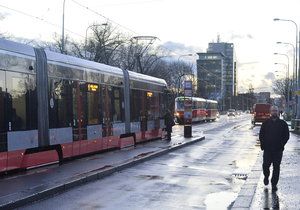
(231, 112)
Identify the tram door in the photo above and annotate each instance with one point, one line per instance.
(107, 109)
(79, 115)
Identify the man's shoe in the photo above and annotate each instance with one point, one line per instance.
(274, 188)
(266, 180)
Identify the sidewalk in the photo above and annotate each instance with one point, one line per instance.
(27, 187)
(254, 195)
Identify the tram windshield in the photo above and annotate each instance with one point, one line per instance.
(179, 105)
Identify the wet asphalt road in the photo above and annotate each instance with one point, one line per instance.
(288, 194)
(205, 175)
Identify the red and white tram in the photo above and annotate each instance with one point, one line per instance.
(202, 109)
(55, 106)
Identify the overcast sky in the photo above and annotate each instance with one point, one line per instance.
(183, 26)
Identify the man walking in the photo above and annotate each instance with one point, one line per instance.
(273, 136)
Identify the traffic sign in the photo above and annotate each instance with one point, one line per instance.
(188, 93)
(188, 84)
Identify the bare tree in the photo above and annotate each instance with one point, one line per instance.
(282, 87)
(103, 45)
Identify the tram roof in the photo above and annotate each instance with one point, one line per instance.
(146, 78)
(212, 101)
(16, 47)
(27, 50)
(82, 63)
(71, 60)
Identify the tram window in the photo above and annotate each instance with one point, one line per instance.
(118, 106)
(135, 105)
(152, 105)
(60, 100)
(31, 103)
(22, 101)
(194, 105)
(162, 103)
(2, 95)
(3, 141)
(93, 100)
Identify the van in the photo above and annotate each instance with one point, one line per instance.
(260, 113)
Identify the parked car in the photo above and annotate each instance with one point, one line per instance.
(231, 112)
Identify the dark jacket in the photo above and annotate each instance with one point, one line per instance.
(169, 121)
(274, 134)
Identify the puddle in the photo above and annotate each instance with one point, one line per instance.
(220, 200)
(150, 177)
(143, 155)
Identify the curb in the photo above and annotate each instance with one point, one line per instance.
(247, 192)
(46, 190)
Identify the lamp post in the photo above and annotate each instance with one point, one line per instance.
(85, 40)
(288, 84)
(63, 29)
(294, 63)
(288, 61)
(297, 65)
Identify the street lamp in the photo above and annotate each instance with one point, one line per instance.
(286, 68)
(190, 54)
(288, 61)
(297, 54)
(294, 63)
(85, 40)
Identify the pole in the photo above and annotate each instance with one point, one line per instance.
(63, 29)
(298, 74)
(297, 60)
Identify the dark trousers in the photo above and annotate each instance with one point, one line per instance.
(269, 158)
(168, 135)
(169, 131)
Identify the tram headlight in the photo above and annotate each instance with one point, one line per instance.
(177, 114)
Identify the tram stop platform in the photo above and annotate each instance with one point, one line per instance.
(254, 195)
(35, 184)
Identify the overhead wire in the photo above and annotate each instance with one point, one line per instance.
(77, 34)
(40, 19)
(112, 21)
